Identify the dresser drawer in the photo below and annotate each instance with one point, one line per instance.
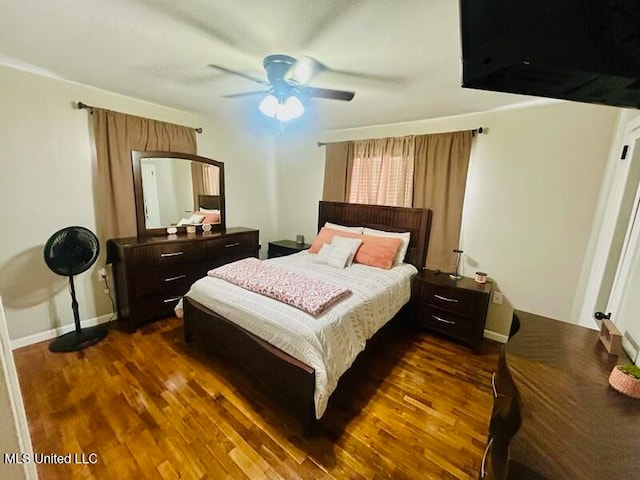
(165, 254)
(504, 391)
(493, 465)
(164, 280)
(232, 246)
(451, 299)
(157, 306)
(442, 321)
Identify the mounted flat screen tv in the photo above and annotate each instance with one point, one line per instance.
(582, 50)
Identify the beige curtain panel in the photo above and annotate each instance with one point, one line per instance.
(440, 178)
(338, 165)
(115, 135)
(382, 172)
(205, 179)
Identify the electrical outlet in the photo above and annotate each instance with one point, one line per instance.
(498, 297)
(103, 273)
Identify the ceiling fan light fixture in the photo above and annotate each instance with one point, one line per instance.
(285, 110)
(269, 105)
(292, 107)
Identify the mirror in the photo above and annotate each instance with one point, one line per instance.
(177, 189)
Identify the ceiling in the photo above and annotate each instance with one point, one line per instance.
(402, 58)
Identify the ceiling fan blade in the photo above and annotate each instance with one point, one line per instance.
(239, 74)
(245, 94)
(331, 94)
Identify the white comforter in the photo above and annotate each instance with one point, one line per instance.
(330, 342)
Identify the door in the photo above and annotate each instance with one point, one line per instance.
(151, 201)
(624, 302)
(612, 222)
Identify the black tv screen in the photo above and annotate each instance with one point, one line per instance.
(583, 50)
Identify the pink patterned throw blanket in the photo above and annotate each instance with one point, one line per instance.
(308, 294)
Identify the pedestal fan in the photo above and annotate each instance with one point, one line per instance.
(69, 252)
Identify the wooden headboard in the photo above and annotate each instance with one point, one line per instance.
(210, 202)
(392, 219)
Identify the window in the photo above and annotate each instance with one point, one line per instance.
(382, 172)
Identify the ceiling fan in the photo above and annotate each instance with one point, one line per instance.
(286, 84)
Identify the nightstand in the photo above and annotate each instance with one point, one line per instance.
(282, 248)
(455, 308)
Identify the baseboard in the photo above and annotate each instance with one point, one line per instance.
(498, 337)
(56, 332)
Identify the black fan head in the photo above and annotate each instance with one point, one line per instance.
(71, 251)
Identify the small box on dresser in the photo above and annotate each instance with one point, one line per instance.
(456, 308)
(152, 273)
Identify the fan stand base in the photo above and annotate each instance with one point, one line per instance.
(77, 340)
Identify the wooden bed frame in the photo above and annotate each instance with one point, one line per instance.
(286, 380)
(209, 201)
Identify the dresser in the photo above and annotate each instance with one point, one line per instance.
(282, 248)
(455, 308)
(554, 414)
(152, 273)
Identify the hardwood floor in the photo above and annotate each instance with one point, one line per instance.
(414, 406)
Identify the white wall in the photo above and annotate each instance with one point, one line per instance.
(533, 184)
(47, 184)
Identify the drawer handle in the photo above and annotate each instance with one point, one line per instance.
(232, 244)
(446, 299)
(443, 320)
(171, 254)
(177, 277)
(169, 300)
(493, 385)
(483, 469)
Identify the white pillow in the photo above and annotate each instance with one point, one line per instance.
(195, 219)
(344, 228)
(404, 246)
(340, 256)
(336, 257)
(323, 254)
(209, 210)
(353, 244)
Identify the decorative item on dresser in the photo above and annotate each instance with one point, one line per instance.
(554, 414)
(152, 273)
(456, 308)
(282, 248)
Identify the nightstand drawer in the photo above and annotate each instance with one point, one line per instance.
(453, 300)
(442, 321)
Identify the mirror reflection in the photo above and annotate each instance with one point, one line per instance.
(180, 192)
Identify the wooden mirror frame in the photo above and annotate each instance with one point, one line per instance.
(136, 158)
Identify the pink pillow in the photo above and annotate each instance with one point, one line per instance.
(378, 251)
(326, 235)
(210, 217)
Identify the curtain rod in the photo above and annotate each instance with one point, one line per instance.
(84, 106)
(475, 131)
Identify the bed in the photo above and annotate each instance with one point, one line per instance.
(290, 382)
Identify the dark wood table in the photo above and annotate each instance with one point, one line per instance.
(555, 416)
